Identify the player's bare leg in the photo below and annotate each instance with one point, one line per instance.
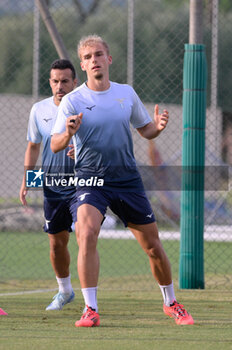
(89, 222)
(148, 237)
(59, 254)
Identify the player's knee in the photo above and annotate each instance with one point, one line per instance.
(154, 252)
(58, 245)
(87, 238)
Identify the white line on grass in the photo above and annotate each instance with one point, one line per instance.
(28, 292)
(37, 291)
(212, 233)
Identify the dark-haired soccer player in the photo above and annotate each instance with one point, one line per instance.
(59, 202)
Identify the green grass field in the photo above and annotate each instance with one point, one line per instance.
(25, 257)
(129, 320)
(130, 303)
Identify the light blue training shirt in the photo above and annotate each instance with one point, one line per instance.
(103, 144)
(42, 118)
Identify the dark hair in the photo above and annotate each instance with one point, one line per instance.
(63, 64)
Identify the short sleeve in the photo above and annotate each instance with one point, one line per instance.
(65, 110)
(33, 133)
(139, 116)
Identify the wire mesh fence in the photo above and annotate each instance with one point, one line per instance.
(147, 44)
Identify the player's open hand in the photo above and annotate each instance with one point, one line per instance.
(73, 123)
(161, 120)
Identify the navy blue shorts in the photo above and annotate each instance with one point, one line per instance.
(59, 214)
(130, 207)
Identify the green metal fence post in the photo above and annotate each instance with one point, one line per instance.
(191, 274)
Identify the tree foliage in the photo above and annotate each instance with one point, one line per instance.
(158, 48)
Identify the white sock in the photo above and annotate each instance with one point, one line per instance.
(64, 284)
(168, 294)
(90, 297)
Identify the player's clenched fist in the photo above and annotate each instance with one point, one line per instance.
(73, 123)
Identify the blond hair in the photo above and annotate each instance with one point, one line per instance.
(89, 41)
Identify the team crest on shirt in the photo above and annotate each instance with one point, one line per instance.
(121, 100)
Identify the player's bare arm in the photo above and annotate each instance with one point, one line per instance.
(30, 160)
(153, 129)
(61, 141)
